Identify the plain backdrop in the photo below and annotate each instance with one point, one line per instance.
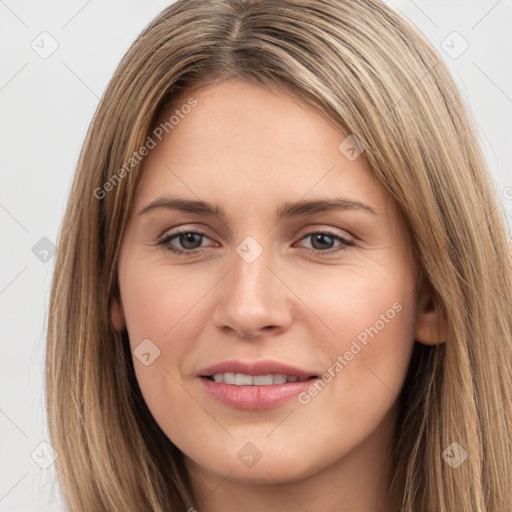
(56, 59)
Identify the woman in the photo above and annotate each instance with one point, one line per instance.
(206, 351)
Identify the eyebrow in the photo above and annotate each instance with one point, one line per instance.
(287, 210)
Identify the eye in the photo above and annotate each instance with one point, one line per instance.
(321, 241)
(189, 241)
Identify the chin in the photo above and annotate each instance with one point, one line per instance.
(283, 467)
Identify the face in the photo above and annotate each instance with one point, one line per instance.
(330, 291)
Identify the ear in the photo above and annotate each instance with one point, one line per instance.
(116, 315)
(431, 324)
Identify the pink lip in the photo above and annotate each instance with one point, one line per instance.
(255, 397)
(264, 367)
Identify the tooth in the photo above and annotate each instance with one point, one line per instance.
(229, 378)
(243, 380)
(279, 379)
(262, 380)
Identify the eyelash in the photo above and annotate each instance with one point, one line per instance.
(165, 242)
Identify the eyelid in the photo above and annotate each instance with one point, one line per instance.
(308, 230)
(183, 228)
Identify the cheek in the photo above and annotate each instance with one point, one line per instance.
(365, 360)
(354, 297)
(164, 314)
(159, 301)
(370, 313)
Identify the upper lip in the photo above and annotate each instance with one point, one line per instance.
(263, 367)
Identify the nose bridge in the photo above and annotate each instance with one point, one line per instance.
(252, 281)
(254, 298)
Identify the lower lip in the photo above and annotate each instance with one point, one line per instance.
(255, 397)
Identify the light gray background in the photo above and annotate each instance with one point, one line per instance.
(46, 106)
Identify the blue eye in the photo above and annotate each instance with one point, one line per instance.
(190, 241)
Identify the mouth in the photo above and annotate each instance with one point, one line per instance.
(242, 379)
(262, 384)
(255, 392)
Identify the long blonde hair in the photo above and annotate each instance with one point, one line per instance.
(372, 73)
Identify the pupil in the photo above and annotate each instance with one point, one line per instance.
(320, 237)
(189, 238)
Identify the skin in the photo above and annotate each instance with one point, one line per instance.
(250, 150)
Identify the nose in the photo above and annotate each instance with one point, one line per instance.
(254, 301)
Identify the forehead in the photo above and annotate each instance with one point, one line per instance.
(241, 140)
